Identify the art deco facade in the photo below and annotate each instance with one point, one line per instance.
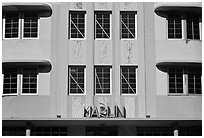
(100, 68)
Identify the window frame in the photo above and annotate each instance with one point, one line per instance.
(22, 27)
(69, 24)
(192, 27)
(4, 28)
(136, 24)
(103, 66)
(136, 78)
(185, 87)
(74, 94)
(110, 15)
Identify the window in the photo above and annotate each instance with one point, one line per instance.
(77, 24)
(101, 131)
(154, 131)
(184, 26)
(193, 27)
(77, 80)
(128, 24)
(30, 25)
(29, 82)
(20, 25)
(184, 81)
(174, 26)
(20, 80)
(103, 24)
(102, 80)
(128, 80)
(49, 131)
(10, 82)
(11, 25)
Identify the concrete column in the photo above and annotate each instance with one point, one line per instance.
(28, 132)
(175, 132)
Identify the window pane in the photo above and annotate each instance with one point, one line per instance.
(174, 26)
(10, 81)
(30, 25)
(11, 25)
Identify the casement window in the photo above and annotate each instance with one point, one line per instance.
(77, 27)
(184, 26)
(193, 27)
(128, 24)
(76, 80)
(29, 83)
(18, 81)
(10, 86)
(174, 27)
(103, 24)
(184, 81)
(103, 80)
(128, 80)
(20, 25)
(30, 25)
(11, 25)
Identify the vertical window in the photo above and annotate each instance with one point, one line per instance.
(194, 81)
(11, 25)
(102, 24)
(193, 27)
(128, 80)
(29, 85)
(77, 24)
(174, 26)
(102, 80)
(30, 25)
(10, 81)
(176, 80)
(76, 80)
(128, 24)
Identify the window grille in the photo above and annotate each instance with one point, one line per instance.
(174, 26)
(10, 81)
(102, 24)
(193, 27)
(128, 24)
(76, 80)
(11, 25)
(128, 80)
(77, 24)
(102, 80)
(30, 25)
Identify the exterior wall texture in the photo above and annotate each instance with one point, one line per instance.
(151, 102)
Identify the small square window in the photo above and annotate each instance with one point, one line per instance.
(77, 24)
(102, 24)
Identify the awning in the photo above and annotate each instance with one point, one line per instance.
(42, 65)
(164, 66)
(162, 9)
(44, 10)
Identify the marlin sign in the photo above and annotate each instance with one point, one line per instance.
(104, 111)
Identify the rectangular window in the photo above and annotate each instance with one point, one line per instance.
(77, 24)
(193, 27)
(194, 81)
(10, 82)
(29, 83)
(174, 26)
(128, 80)
(77, 80)
(30, 25)
(128, 24)
(176, 80)
(11, 25)
(49, 131)
(102, 80)
(102, 24)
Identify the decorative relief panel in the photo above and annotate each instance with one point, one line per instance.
(128, 6)
(128, 52)
(103, 52)
(77, 52)
(130, 107)
(77, 107)
(77, 5)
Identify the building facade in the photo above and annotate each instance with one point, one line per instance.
(115, 68)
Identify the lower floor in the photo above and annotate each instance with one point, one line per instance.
(97, 127)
